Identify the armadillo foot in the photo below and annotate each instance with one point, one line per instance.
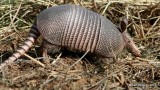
(45, 56)
(49, 48)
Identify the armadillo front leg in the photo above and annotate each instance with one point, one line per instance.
(46, 48)
(45, 55)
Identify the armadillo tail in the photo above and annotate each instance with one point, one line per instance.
(33, 35)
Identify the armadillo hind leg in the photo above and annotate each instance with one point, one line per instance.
(46, 48)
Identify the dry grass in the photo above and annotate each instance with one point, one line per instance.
(66, 73)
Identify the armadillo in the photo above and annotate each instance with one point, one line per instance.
(77, 28)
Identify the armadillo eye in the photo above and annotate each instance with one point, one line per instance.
(128, 41)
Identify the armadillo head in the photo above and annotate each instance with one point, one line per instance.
(129, 43)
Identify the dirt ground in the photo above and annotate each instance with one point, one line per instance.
(70, 70)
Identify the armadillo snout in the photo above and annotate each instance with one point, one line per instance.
(134, 50)
(130, 44)
(137, 53)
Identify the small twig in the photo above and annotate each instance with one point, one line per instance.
(153, 26)
(148, 37)
(136, 26)
(56, 59)
(12, 19)
(7, 36)
(127, 11)
(46, 82)
(142, 30)
(153, 10)
(153, 73)
(142, 59)
(106, 8)
(121, 12)
(7, 14)
(155, 62)
(34, 60)
(110, 2)
(79, 59)
(157, 50)
(75, 71)
(101, 81)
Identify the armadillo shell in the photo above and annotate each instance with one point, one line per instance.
(77, 28)
(70, 26)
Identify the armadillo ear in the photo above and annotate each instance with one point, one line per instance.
(123, 24)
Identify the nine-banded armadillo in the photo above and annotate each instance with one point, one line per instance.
(74, 27)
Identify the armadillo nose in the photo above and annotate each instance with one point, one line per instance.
(137, 53)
